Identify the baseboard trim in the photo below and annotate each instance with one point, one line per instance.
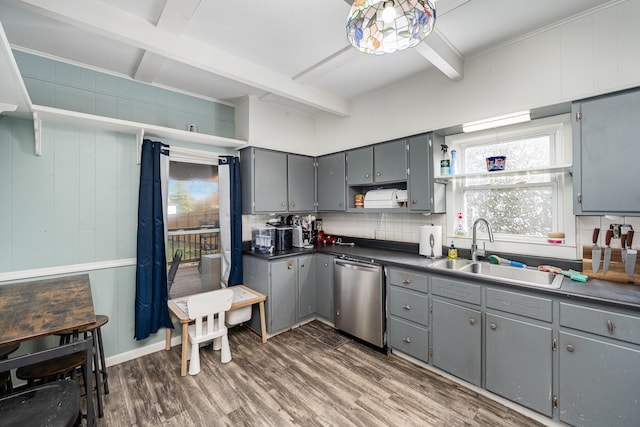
(142, 351)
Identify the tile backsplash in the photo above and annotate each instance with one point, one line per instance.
(586, 224)
(382, 226)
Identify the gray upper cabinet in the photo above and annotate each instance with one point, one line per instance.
(377, 164)
(425, 195)
(301, 175)
(261, 195)
(331, 182)
(390, 161)
(273, 181)
(360, 166)
(606, 149)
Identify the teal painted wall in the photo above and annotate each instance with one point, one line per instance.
(78, 202)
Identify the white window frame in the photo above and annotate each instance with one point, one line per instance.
(559, 129)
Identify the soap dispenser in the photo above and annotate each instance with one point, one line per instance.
(453, 252)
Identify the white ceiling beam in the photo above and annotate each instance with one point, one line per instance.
(101, 18)
(174, 18)
(437, 50)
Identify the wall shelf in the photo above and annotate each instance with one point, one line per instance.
(533, 171)
(15, 100)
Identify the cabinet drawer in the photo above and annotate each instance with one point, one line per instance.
(409, 305)
(523, 305)
(408, 279)
(457, 290)
(410, 339)
(601, 322)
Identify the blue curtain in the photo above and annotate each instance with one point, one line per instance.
(151, 309)
(235, 274)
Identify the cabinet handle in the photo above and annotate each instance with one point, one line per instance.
(414, 201)
(366, 175)
(570, 348)
(340, 204)
(379, 174)
(326, 264)
(407, 340)
(289, 265)
(406, 281)
(493, 326)
(406, 307)
(610, 326)
(472, 321)
(301, 265)
(293, 205)
(283, 204)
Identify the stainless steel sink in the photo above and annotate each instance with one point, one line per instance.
(452, 264)
(518, 275)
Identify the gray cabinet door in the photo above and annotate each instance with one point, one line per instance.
(282, 307)
(306, 286)
(599, 382)
(269, 181)
(457, 340)
(360, 166)
(606, 150)
(390, 161)
(331, 182)
(301, 183)
(324, 285)
(518, 362)
(420, 174)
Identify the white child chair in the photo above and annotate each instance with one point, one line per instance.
(208, 310)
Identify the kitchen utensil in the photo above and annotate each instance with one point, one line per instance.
(494, 259)
(607, 251)
(630, 266)
(574, 275)
(432, 241)
(596, 252)
(623, 245)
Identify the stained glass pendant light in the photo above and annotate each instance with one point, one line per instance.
(378, 26)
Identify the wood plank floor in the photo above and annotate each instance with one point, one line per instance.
(293, 380)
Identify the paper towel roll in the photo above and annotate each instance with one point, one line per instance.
(425, 236)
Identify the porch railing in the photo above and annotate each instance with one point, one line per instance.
(193, 242)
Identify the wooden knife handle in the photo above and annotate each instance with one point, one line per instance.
(608, 237)
(629, 238)
(596, 233)
(623, 241)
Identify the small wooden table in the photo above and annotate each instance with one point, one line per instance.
(38, 308)
(179, 314)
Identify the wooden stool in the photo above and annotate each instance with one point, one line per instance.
(6, 385)
(55, 404)
(52, 369)
(99, 365)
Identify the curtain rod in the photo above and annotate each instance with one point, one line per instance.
(199, 153)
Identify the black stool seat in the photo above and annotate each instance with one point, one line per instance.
(51, 369)
(7, 349)
(56, 404)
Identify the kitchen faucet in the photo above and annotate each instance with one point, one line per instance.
(474, 247)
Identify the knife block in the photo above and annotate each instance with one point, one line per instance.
(616, 272)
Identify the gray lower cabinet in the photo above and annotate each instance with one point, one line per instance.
(408, 305)
(306, 286)
(599, 358)
(457, 340)
(324, 285)
(331, 189)
(518, 361)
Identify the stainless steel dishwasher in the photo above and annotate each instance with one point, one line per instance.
(358, 292)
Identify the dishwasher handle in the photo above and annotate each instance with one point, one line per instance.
(357, 265)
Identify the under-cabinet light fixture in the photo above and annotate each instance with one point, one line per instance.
(494, 122)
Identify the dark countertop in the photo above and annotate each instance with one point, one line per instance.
(597, 291)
